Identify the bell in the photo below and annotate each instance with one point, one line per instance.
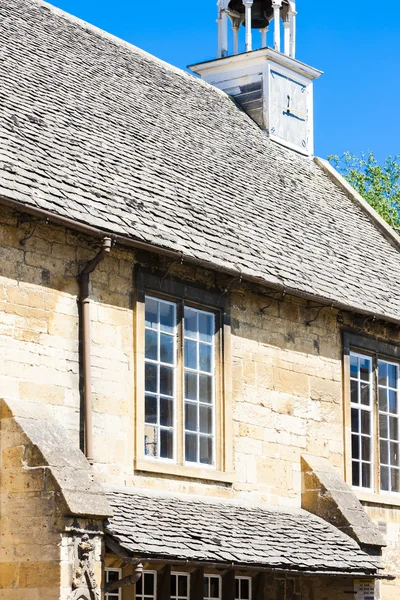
(261, 12)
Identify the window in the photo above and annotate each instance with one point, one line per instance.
(179, 586)
(146, 586)
(374, 373)
(212, 587)
(183, 400)
(111, 576)
(161, 368)
(242, 588)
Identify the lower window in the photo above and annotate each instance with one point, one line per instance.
(375, 420)
(112, 575)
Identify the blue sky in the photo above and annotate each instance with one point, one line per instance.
(357, 100)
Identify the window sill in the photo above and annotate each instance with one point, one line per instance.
(147, 466)
(382, 499)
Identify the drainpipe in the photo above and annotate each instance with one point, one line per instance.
(130, 580)
(84, 279)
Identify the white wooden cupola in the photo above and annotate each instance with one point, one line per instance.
(274, 88)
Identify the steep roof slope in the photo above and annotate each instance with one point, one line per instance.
(96, 130)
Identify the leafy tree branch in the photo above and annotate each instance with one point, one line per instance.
(378, 184)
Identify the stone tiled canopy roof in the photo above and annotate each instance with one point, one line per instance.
(178, 527)
(95, 130)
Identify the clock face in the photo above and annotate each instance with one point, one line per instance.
(288, 110)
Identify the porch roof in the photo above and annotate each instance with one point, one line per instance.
(197, 529)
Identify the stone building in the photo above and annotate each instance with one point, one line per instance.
(199, 328)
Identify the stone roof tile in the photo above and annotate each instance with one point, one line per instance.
(94, 129)
(175, 527)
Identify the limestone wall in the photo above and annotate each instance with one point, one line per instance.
(287, 375)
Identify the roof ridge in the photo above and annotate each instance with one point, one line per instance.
(338, 179)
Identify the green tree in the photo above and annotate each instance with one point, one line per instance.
(378, 184)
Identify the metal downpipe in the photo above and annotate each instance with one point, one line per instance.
(84, 295)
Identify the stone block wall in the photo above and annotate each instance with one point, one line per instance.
(287, 397)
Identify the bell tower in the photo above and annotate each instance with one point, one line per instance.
(269, 83)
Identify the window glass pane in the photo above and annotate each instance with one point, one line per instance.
(166, 349)
(151, 409)
(384, 450)
(355, 445)
(393, 402)
(150, 441)
(366, 475)
(354, 392)
(205, 352)
(214, 587)
(392, 374)
(245, 589)
(365, 394)
(190, 386)
(206, 327)
(365, 368)
(149, 584)
(365, 422)
(111, 576)
(191, 323)
(151, 372)
(166, 381)
(394, 454)
(206, 445)
(394, 428)
(355, 420)
(385, 479)
(356, 473)
(382, 373)
(237, 589)
(205, 383)
(366, 448)
(383, 395)
(205, 419)
(191, 416)
(383, 427)
(166, 412)
(395, 480)
(191, 447)
(190, 354)
(354, 366)
(183, 586)
(151, 344)
(173, 585)
(167, 317)
(151, 308)
(166, 443)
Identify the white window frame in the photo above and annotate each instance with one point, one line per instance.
(158, 363)
(208, 576)
(371, 409)
(375, 351)
(241, 578)
(143, 595)
(198, 403)
(116, 594)
(181, 574)
(388, 414)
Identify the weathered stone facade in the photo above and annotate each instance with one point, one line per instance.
(287, 396)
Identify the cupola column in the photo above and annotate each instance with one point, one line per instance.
(264, 34)
(292, 21)
(277, 5)
(287, 32)
(249, 42)
(235, 36)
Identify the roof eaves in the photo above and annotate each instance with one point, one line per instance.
(353, 195)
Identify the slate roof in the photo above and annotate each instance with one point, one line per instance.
(196, 529)
(96, 130)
